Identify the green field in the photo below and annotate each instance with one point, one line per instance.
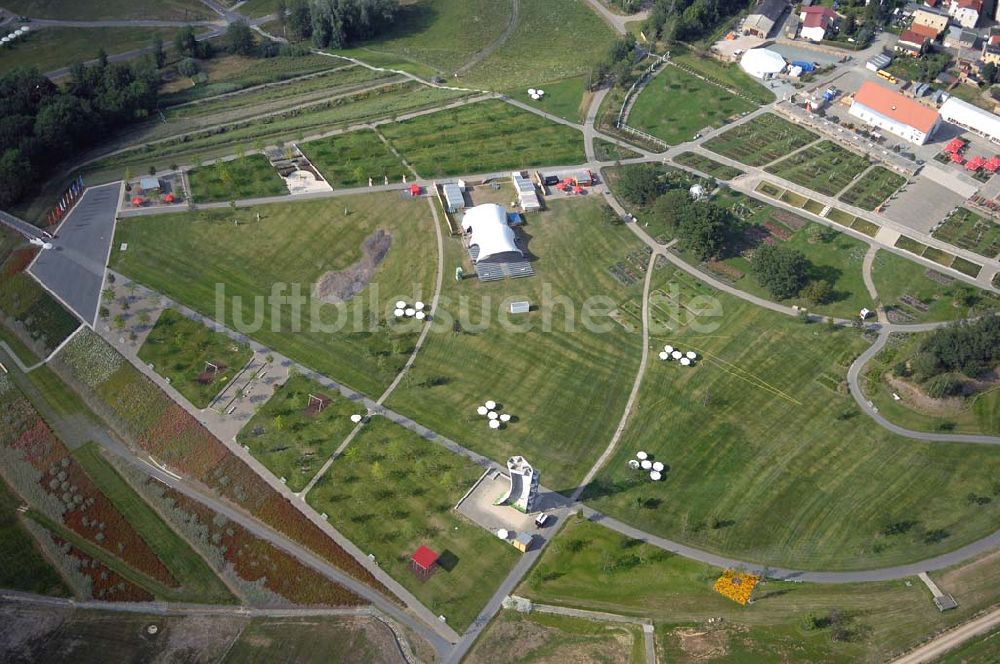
(246, 177)
(761, 140)
(977, 414)
(981, 649)
(675, 105)
(52, 48)
(292, 443)
(568, 99)
(257, 8)
(552, 41)
(607, 151)
(440, 35)
(968, 230)
(22, 565)
(873, 188)
(312, 640)
(567, 412)
(393, 491)
(482, 138)
(770, 459)
(182, 351)
(591, 567)
(293, 245)
(552, 638)
(707, 165)
(89, 10)
(350, 159)
(728, 74)
(825, 167)
(198, 582)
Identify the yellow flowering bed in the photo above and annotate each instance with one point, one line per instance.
(737, 586)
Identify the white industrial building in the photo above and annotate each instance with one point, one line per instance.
(454, 199)
(971, 117)
(526, 194)
(886, 109)
(489, 231)
(762, 63)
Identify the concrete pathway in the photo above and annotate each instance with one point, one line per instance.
(648, 629)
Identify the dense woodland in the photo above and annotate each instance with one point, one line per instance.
(337, 23)
(948, 357)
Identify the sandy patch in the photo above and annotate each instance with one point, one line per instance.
(701, 644)
(341, 286)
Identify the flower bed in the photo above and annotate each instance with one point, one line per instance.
(737, 586)
(181, 442)
(105, 583)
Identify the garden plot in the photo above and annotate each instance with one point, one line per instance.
(968, 230)
(873, 188)
(707, 165)
(242, 178)
(825, 167)
(349, 160)
(762, 140)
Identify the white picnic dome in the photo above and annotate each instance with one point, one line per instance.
(664, 355)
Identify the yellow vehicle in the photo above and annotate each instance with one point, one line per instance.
(881, 73)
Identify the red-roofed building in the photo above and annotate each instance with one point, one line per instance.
(886, 109)
(423, 562)
(912, 43)
(924, 31)
(817, 22)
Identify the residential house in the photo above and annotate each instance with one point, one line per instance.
(763, 17)
(912, 43)
(933, 20)
(817, 21)
(966, 12)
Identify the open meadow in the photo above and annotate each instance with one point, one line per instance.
(770, 460)
(89, 10)
(391, 492)
(348, 160)
(567, 99)
(675, 105)
(52, 48)
(761, 140)
(591, 567)
(293, 246)
(731, 75)
(482, 138)
(242, 178)
(564, 382)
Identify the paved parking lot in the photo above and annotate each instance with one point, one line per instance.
(923, 205)
(74, 268)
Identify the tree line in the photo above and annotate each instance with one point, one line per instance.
(946, 358)
(337, 23)
(688, 20)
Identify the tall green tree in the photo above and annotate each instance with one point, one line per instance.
(240, 39)
(782, 271)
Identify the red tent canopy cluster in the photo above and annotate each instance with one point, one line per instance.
(415, 190)
(169, 198)
(137, 201)
(957, 158)
(975, 163)
(992, 164)
(955, 145)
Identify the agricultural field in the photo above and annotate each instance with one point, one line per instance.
(22, 565)
(580, 251)
(968, 230)
(296, 431)
(482, 138)
(729, 75)
(197, 361)
(48, 49)
(348, 160)
(545, 637)
(391, 492)
(771, 460)
(707, 165)
(914, 293)
(296, 245)
(438, 35)
(873, 188)
(760, 141)
(591, 567)
(675, 105)
(825, 167)
(245, 177)
(552, 41)
(976, 414)
(88, 10)
(568, 99)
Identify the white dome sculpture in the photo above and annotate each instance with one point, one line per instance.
(355, 418)
(664, 355)
(491, 404)
(505, 417)
(493, 415)
(646, 464)
(400, 304)
(494, 424)
(655, 475)
(641, 455)
(691, 354)
(676, 354)
(657, 466)
(685, 362)
(482, 410)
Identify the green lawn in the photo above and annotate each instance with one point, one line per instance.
(707, 165)
(980, 649)
(292, 443)
(728, 74)
(761, 140)
(198, 582)
(607, 151)
(552, 41)
(293, 245)
(393, 491)
(246, 177)
(22, 565)
(309, 640)
(95, 10)
(38, 320)
(552, 638)
(675, 105)
(978, 414)
(873, 188)
(182, 351)
(257, 8)
(51, 48)
(825, 167)
(968, 230)
(350, 159)
(770, 459)
(567, 412)
(567, 98)
(482, 138)
(591, 567)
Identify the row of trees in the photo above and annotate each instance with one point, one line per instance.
(41, 125)
(947, 356)
(336, 23)
(616, 67)
(688, 20)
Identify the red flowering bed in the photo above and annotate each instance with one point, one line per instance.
(106, 584)
(181, 442)
(18, 261)
(777, 231)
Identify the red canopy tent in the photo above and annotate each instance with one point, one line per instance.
(992, 165)
(423, 561)
(136, 202)
(957, 158)
(577, 189)
(415, 190)
(955, 145)
(975, 163)
(169, 198)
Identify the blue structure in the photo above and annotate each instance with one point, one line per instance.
(807, 67)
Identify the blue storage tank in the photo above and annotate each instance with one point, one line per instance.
(807, 67)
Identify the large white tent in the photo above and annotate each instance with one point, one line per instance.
(488, 225)
(762, 62)
(971, 117)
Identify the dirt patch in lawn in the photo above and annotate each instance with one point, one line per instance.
(703, 644)
(341, 285)
(944, 407)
